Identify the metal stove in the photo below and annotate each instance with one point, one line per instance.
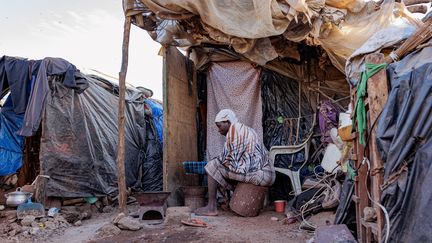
(152, 206)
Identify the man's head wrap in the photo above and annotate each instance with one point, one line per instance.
(226, 115)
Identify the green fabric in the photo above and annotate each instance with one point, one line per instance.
(351, 172)
(360, 111)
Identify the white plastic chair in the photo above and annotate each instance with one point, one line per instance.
(292, 149)
(294, 175)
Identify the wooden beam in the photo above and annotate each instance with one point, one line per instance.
(377, 89)
(328, 97)
(420, 8)
(121, 119)
(412, 2)
(180, 126)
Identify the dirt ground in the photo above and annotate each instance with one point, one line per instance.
(227, 227)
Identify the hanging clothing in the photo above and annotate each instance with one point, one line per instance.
(49, 66)
(15, 74)
(327, 118)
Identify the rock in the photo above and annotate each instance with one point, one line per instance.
(128, 223)
(25, 228)
(108, 209)
(59, 218)
(78, 223)
(50, 225)
(9, 214)
(107, 230)
(25, 233)
(71, 214)
(4, 228)
(85, 215)
(105, 201)
(12, 220)
(34, 230)
(2, 207)
(12, 233)
(118, 217)
(61, 222)
(99, 204)
(333, 233)
(15, 226)
(43, 220)
(27, 220)
(85, 211)
(34, 224)
(174, 215)
(274, 219)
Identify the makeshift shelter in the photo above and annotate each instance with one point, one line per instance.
(68, 119)
(309, 50)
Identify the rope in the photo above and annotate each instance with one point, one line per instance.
(387, 217)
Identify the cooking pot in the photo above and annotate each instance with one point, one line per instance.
(17, 197)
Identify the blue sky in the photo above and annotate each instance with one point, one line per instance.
(87, 33)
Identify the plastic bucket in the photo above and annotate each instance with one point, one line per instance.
(280, 206)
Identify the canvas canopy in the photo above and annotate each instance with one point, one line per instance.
(263, 30)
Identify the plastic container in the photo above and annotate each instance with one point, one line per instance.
(345, 126)
(194, 196)
(331, 157)
(280, 206)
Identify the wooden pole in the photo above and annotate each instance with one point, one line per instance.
(121, 119)
(377, 89)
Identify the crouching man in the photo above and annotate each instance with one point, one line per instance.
(244, 159)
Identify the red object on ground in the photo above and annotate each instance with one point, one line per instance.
(280, 206)
(194, 222)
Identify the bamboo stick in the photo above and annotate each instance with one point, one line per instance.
(423, 34)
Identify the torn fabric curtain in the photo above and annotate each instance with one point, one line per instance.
(235, 86)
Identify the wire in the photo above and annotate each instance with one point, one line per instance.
(321, 179)
(304, 208)
(377, 203)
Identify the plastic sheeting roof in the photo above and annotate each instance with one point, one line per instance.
(250, 27)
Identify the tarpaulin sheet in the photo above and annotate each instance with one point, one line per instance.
(249, 26)
(388, 37)
(280, 98)
(404, 137)
(157, 116)
(235, 86)
(11, 144)
(79, 141)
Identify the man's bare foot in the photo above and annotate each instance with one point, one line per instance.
(207, 211)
